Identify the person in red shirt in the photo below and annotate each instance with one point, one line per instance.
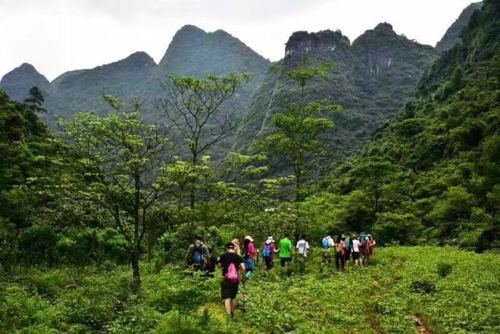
(250, 255)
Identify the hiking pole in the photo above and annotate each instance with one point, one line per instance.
(243, 298)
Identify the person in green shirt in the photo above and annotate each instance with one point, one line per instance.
(285, 250)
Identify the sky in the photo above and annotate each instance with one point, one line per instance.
(56, 36)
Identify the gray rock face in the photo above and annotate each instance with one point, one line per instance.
(325, 44)
(452, 35)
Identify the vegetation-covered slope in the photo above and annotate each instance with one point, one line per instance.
(372, 79)
(434, 172)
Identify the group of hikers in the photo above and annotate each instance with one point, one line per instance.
(239, 260)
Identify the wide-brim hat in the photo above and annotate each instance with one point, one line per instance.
(249, 238)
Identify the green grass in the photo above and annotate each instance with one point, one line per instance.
(464, 297)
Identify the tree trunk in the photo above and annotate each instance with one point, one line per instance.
(136, 274)
(192, 190)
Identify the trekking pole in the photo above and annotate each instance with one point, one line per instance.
(243, 298)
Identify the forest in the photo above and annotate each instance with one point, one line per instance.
(97, 210)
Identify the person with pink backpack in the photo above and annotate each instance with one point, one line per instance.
(232, 265)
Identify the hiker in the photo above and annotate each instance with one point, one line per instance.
(197, 254)
(237, 246)
(348, 248)
(250, 255)
(363, 249)
(232, 266)
(371, 245)
(340, 254)
(211, 262)
(302, 247)
(356, 245)
(327, 244)
(268, 252)
(285, 250)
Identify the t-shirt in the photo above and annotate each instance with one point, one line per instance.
(285, 248)
(251, 251)
(355, 245)
(227, 258)
(302, 247)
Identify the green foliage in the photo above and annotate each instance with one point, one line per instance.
(432, 173)
(444, 269)
(87, 299)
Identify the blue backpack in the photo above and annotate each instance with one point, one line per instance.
(325, 243)
(197, 256)
(362, 238)
(266, 251)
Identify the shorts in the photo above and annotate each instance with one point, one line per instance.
(355, 255)
(249, 264)
(347, 253)
(228, 290)
(285, 260)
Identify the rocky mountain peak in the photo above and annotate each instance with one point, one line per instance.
(452, 35)
(384, 26)
(139, 59)
(322, 45)
(18, 82)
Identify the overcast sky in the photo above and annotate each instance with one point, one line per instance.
(60, 35)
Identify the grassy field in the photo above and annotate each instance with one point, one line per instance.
(404, 290)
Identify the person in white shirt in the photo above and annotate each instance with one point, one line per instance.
(302, 247)
(355, 250)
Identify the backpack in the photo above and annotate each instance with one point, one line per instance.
(362, 239)
(325, 243)
(232, 273)
(266, 251)
(197, 256)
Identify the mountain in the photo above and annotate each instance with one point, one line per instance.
(452, 35)
(372, 79)
(433, 173)
(18, 82)
(192, 52)
(84, 88)
(198, 53)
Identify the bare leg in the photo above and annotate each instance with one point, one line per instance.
(228, 304)
(233, 305)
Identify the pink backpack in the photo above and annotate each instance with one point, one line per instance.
(232, 274)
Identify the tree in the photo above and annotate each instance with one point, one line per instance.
(35, 100)
(296, 139)
(122, 160)
(193, 106)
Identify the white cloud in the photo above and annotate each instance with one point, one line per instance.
(60, 35)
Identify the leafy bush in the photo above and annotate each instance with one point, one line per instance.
(444, 269)
(38, 244)
(422, 287)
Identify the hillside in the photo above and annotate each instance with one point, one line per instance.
(433, 172)
(372, 79)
